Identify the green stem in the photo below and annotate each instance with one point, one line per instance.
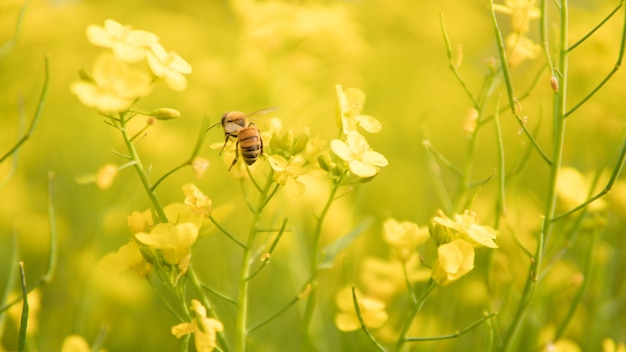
(242, 297)
(315, 255)
(140, 170)
(557, 158)
(414, 310)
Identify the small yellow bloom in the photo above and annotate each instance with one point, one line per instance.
(404, 237)
(372, 311)
(464, 226)
(168, 66)
(199, 166)
(203, 328)
(114, 87)
(106, 175)
(573, 189)
(197, 200)
(454, 259)
(521, 12)
(362, 161)
(128, 45)
(520, 48)
(287, 172)
(128, 257)
(350, 104)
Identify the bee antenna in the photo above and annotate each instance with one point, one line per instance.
(216, 124)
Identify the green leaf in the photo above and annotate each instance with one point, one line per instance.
(330, 252)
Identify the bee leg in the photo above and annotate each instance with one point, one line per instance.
(225, 142)
(236, 156)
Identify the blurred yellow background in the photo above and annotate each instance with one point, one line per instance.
(249, 55)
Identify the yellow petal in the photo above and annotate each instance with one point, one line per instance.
(347, 322)
(362, 169)
(374, 158)
(182, 329)
(341, 149)
(369, 123)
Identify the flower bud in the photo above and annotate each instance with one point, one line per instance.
(165, 114)
(324, 161)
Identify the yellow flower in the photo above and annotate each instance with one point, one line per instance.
(174, 241)
(350, 104)
(609, 345)
(76, 343)
(106, 175)
(520, 49)
(203, 328)
(128, 257)
(196, 200)
(521, 12)
(114, 87)
(454, 259)
(287, 172)
(573, 189)
(372, 311)
(465, 226)
(127, 44)
(362, 161)
(382, 279)
(140, 222)
(404, 237)
(168, 66)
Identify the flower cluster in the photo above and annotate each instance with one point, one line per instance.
(126, 71)
(290, 156)
(166, 245)
(456, 240)
(520, 47)
(203, 328)
(352, 148)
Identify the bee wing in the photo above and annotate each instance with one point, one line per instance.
(262, 111)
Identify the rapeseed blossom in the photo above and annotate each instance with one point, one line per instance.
(362, 161)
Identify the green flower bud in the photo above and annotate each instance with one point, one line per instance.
(165, 114)
(324, 161)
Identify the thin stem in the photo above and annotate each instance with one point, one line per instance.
(16, 32)
(357, 308)
(156, 203)
(219, 294)
(455, 334)
(207, 303)
(268, 254)
(583, 288)
(614, 176)
(501, 203)
(509, 87)
(223, 230)
(315, 254)
(242, 297)
(275, 315)
(557, 157)
(453, 67)
(598, 26)
(33, 123)
(414, 310)
(618, 64)
(21, 341)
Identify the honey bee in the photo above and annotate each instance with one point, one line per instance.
(237, 125)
